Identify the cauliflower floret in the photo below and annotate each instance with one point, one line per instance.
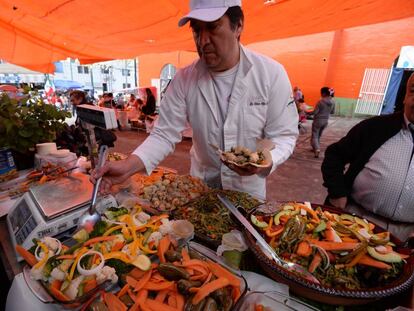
(166, 226)
(58, 274)
(107, 273)
(143, 217)
(72, 291)
(155, 237)
(37, 273)
(51, 243)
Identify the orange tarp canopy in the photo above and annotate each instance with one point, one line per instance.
(34, 34)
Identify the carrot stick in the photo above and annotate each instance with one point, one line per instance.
(316, 261)
(369, 261)
(163, 246)
(117, 246)
(356, 259)
(137, 285)
(99, 239)
(311, 212)
(161, 295)
(157, 306)
(123, 291)
(208, 278)
(186, 257)
(26, 255)
(335, 246)
(90, 285)
(180, 301)
(236, 293)
(207, 289)
(56, 284)
(304, 249)
(329, 235)
(172, 301)
(219, 271)
(136, 273)
(58, 294)
(158, 286)
(113, 302)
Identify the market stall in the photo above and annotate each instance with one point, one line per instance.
(164, 243)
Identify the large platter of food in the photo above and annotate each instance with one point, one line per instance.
(353, 260)
(183, 279)
(125, 239)
(210, 218)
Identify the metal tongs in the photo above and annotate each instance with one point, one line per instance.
(266, 248)
(91, 216)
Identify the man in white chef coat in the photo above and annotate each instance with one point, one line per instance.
(231, 97)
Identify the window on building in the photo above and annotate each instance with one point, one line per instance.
(104, 70)
(126, 85)
(80, 69)
(104, 87)
(59, 67)
(85, 69)
(126, 72)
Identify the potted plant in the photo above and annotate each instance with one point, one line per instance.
(25, 122)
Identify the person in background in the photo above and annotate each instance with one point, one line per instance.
(321, 114)
(297, 94)
(378, 182)
(132, 102)
(77, 98)
(231, 96)
(149, 107)
(108, 100)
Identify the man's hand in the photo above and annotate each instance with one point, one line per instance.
(116, 172)
(339, 202)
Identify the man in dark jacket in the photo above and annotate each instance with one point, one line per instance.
(380, 176)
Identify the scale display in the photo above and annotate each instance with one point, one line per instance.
(22, 222)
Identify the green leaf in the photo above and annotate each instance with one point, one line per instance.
(26, 133)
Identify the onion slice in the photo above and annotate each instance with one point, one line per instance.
(92, 271)
(57, 252)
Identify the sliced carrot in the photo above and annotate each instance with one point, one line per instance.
(113, 303)
(219, 271)
(157, 306)
(123, 291)
(403, 256)
(58, 294)
(162, 295)
(335, 246)
(316, 261)
(195, 262)
(236, 293)
(329, 234)
(311, 212)
(56, 284)
(138, 285)
(348, 239)
(117, 246)
(172, 301)
(304, 249)
(163, 246)
(186, 257)
(141, 300)
(90, 285)
(369, 261)
(26, 255)
(180, 301)
(210, 275)
(158, 286)
(136, 273)
(43, 179)
(99, 239)
(207, 289)
(356, 259)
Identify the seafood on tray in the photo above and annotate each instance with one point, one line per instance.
(242, 156)
(340, 250)
(172, 191)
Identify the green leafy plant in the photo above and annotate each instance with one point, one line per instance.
(28, 121)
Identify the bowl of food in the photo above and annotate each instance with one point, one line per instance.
(210, 218)
(243, 157)
(353, 260)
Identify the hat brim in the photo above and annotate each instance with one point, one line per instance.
(205, 15)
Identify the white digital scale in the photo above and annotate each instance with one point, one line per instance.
(51, 209)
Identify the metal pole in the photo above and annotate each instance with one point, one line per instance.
(93, 88)
(135, 72)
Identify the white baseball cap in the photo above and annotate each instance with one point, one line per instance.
(208, 10)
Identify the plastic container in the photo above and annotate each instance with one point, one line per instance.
(272, 301)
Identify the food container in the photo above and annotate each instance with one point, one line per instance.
(330, 295)
(41, 292)
(272, 301)
(45, 148)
